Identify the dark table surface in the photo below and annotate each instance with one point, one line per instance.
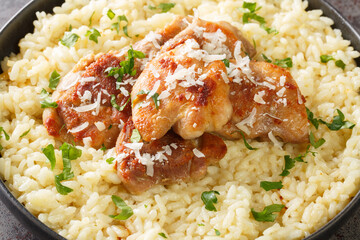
(11, 229)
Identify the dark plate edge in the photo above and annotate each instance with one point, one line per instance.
(14, 30)
(27, 13)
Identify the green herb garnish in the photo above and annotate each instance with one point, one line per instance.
(284, 63)
(115, 105)
(226, 62)
(126, 66)
(110, 160)
(116, 25)
(314, 143)
(69, 39)
(271, 185)
(47, 102)
(326, 58)
(49, 152)
(209, 199)
(135, 136)
(251, 14)
(25, 133)
(164, 7)
(7, 137)
(126, 211)
(103, 148)
(339, 63)
(162, 235)
(201, 224)
(54, 80)
(90, 19)
(110, 14)
(217, 232)
(93, 34)
(337, 123)
(69, 152)
(267, 215)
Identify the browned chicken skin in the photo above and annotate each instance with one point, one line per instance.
(176, 159)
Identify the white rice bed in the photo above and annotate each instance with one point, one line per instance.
(313, 193)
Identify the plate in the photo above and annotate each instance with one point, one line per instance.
(22, 23)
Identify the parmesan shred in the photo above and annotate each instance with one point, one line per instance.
(274, 140)
(259, 97)
(250, 120)
(79, 128)
(242, 66)
(147, 159)
(197, 153)
(100, 126)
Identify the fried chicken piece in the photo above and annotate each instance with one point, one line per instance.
(84, 96)
(269, 104)
(167, 160)
(186, 87)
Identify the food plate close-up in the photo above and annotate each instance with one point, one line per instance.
(180, 120)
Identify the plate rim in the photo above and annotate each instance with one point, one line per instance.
(42, 231)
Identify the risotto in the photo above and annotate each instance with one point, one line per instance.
(312, 193)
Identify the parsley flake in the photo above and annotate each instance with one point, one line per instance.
(164, 7)
(110, 160)
(25, 133)
(90, 19)
(314, 143)
(103, 148)
(110, 14)
(126, 211)
(69, 39)
(7, 137)
(116, 25)
(162, 235)
(226, 62)
(69, 152)
(115, 105)
(217, 232)
(135, 136)
(326, 58)
(201, 224)
(337, 123)
(54, 80)
(251, 14)
(47, 102)
(284, 63)
(209, 199)
(267, 215)
(339, 63)
(49, 152)
(271, 185)
(93, 34)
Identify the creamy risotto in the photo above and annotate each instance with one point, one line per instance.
(312, 193)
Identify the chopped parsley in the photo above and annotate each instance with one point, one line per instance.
(314, 143)
(290, 162)
(54, 80)
(247, 145)
(250, 13)
(69, 153)
(93, 34)
(154, 97)
(339, 63)
(337, 123)
(115, 105)
(271, 185)
(284, 63)
(135, 136)
(164, 7)
(126, 66)
(7, 137)
(49, 152)
(103, 148)
(25, 133)
(267, 215)
(209, 199)
(217, 232)
(226, 62)
(162, 235)
(90, 19)
(110, 160)
(69, 39)
(47, 102)
(201, 224)
(110, 14)
(116, 25)
(110, 126)
(126, 211)
(326, 58)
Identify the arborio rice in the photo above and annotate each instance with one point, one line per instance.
(313, 193)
